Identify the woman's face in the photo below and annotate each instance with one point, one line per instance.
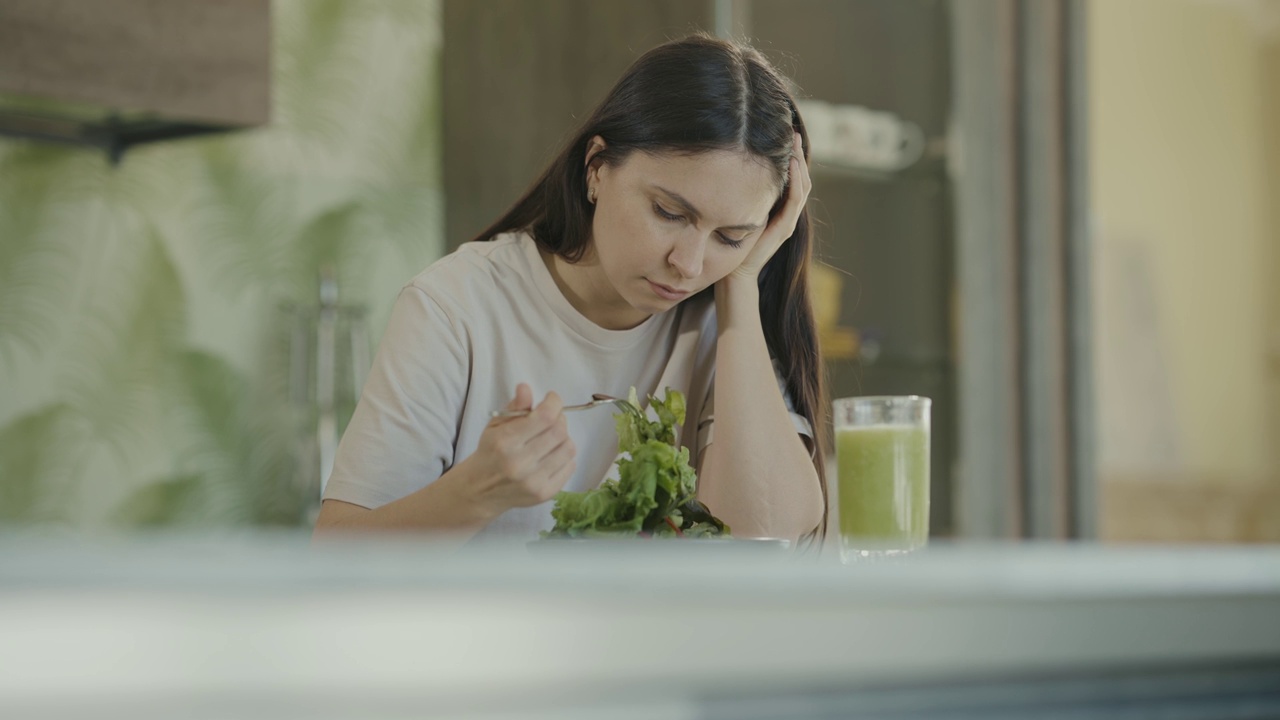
(669, 225)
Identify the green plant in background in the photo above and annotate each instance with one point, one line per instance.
(31, 282)
(33, 465)
(143, 351)
(233, 465)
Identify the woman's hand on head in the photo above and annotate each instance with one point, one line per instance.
(523, 461)
(783, 224)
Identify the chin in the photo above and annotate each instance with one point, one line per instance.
(653, 306)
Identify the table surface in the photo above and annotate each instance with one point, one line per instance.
(266, 625)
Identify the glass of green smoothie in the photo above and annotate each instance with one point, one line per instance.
(882, 475)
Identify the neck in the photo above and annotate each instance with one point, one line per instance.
(586, 288)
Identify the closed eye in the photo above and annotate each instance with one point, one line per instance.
(731, 242)
(664, 214)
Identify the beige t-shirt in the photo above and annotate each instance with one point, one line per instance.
(472, 326)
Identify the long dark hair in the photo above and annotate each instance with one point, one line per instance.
(694, 95)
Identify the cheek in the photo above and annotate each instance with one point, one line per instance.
(721, 263)
(624, 243)
(643, 238)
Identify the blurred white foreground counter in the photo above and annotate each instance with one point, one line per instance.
(266, 627)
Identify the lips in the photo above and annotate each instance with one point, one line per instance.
(666, 292)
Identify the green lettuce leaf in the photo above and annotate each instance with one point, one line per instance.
(655, 491)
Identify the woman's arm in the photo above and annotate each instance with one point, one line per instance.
(444, 507)
(519, 462)
(756, 475)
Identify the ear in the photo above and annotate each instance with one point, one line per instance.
(594, 146)
(593, 164)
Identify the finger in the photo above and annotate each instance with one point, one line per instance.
(566, 453)
(797, 151)
(560, 478)
(559, 456)
(557, 475)
(541, 419)
(550, 407)
(523, 399)
(542, 445)
(536, 466)
(789, 215)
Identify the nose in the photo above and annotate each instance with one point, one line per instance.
(686, 255)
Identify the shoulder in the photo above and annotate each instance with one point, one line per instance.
(470, 273)
(473, 261)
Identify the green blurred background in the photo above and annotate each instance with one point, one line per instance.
(143, 338)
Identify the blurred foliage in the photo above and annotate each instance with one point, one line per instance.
(142, 345)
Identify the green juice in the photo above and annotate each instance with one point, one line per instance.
(883, 476)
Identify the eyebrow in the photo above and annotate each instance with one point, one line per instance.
(688, 208)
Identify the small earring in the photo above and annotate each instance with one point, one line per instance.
(591, 197)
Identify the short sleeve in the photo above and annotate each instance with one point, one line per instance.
(402, 434)
(706, 422)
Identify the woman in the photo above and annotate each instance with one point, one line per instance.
(666, 246)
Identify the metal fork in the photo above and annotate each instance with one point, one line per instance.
(597, 400)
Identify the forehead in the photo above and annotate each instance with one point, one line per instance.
(727, 186)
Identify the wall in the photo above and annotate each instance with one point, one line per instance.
(1271, 96)
(1185, 270)
(522, 76)
(143, 351)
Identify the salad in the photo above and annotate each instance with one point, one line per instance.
(654, 493)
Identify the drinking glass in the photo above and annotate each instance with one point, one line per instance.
(882, 475)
